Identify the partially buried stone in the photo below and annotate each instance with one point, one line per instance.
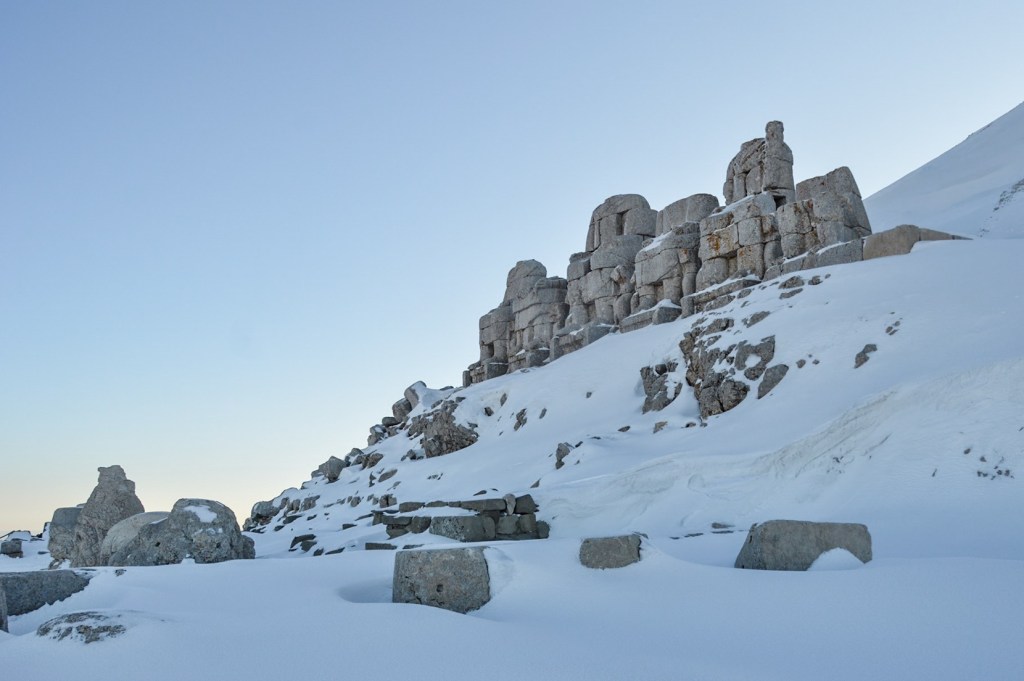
(610, 552)
(452, 579)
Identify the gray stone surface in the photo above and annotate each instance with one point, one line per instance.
(453, 579)
(3, 608)
(201, 529)
(28, 591)
(62, 533)
(464, 528)
(121, 534)
(332, 468)
(796, 544)
(900, 240)
(610, 552)
(112, 500)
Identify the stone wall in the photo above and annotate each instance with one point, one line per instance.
(643, 266)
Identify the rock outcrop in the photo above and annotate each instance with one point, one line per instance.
(112, 500)
(201, 529)
(643, 266)
(796, 544)
(453, 579)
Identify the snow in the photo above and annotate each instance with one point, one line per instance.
(924, 444)
(974, 189)
(202, 512)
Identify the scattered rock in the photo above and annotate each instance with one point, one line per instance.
(452, 579)
(464, 528)
(862, 356)
(11, 548)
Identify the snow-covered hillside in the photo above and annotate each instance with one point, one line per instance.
(923, 442)
(974, 189)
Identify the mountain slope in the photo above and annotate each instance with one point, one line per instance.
(974, 189)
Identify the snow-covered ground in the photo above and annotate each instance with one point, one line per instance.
(924, 443)
(974, 189)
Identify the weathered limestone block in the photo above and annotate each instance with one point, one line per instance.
(62, 533)
(837, 206)
(201, 529)
(28, 591)
(464, 528)
(617, 252)
(121, 534)
(900, 240)
(721, 243)
(840, 254)
(640, 221)
(452, 579)
(579, 265)
(112, 500)
(796, 544)
(762, 165)
(608, 220)
(712, 271)
(691, 209)
(610, 552)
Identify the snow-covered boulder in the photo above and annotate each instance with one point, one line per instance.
(201, 529)
(796, 544)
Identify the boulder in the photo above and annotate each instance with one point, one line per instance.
(796, 544)
(332, 468)
(112, 500)
(62, 533)
(602, 553)
(452, 579)
(28, 591)
(121, 534)
(201, 529)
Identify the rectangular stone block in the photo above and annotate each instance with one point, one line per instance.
(640, 220)
(719, 244)
(713, 271)
(578, 268)
(841, 254)
(756, 230)
(796, 218)
(750, 260)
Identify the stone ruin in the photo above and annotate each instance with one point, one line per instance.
(643, 266)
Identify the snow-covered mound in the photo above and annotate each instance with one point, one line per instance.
(923, 442)
(974, 189)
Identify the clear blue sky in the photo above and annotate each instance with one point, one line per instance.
(231, 233)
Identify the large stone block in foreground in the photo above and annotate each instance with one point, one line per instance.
(610, 552)
(28, 591)
(796, 544)
(452, 579)
(900, 240)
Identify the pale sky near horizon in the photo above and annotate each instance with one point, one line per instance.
(231, 233)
